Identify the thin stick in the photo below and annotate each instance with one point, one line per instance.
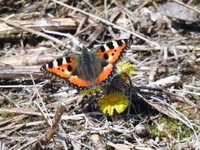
(187, 6)
(157, 48)
(33, 31)
(107, 22)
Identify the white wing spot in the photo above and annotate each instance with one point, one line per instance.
(106, 47)
(115, 44)
(55, 63)
(64, 60)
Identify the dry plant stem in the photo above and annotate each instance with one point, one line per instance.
(107, 22)
(96, 33)
(160, 60)
(34, 113)
(157, 48)
(56, 121)
(15, 129)
(20, 72)
(168, 110)
(88, 3)
(98, 142)
(187, 6)
(126, 147)
(19, 86)
(69, 23)
(33, 31)
(42, 108)
(20, 111)
(186, 92)
(68, 35)
(81, 25)
(54, 127)
(51, 24)
(27, 144)
(29, 124)
(12, 124)
(142, 5)
(28, 59)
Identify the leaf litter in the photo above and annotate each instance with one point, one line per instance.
(41, 112)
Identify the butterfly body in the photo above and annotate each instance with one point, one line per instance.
(91, 68)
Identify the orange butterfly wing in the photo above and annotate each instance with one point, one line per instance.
(101, 63)
(63, 67)
(110, 52)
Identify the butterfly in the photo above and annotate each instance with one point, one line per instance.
(90, 68)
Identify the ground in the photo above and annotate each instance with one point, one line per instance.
(156, 85)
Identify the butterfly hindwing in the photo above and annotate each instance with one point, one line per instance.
(106, 73)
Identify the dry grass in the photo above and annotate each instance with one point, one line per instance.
(38, 112)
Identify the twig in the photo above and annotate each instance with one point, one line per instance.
(29, 124)
(161, 59)
(187, 6)
(107, 22)
(34, 113)
(60, 110)
(42, 108)
(54, 128)
(33, 31)
(179, 47)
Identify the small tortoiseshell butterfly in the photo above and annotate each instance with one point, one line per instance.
(91, 68)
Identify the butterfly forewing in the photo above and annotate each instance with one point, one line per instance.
(112, 51)
(62, 67)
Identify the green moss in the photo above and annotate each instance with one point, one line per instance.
(4, 114)
(169, 128)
